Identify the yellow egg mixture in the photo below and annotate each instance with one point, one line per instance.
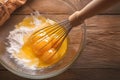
(30, 50)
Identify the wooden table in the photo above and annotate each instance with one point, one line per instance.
(100, 60)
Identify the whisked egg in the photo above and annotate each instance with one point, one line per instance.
(43, 58)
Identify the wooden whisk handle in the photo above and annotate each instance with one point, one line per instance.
(90, 10)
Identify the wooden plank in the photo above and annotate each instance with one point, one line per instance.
(60, 7)
(112, 10)
(85, 2)
(99, 54)
(50, 6)
(46, 7)
(102, 47)
(74, 74)
(89, 74)
(104, 21)
(57, 6)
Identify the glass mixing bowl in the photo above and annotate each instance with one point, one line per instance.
(75, 46)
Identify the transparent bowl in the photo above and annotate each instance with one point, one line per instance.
(75, 46)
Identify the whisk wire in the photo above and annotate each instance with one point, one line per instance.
(56, 49)
(43, 37)
(57, 32)
(60, 38)
(48, 28)
(62, 32)
(52, 31)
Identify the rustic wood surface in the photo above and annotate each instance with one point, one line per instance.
(100, 59)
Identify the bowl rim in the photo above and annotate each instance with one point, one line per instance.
(54, 73)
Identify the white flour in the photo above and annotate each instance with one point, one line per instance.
(16, 39)
(16, 42)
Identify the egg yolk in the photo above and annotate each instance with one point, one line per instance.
(41, 51)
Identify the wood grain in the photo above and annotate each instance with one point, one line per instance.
(49, 7)
(107, 21)
(46, 7)
(61, 7)
(113, 10)
(74, 74)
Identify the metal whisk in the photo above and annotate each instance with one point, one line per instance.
(41, 39)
